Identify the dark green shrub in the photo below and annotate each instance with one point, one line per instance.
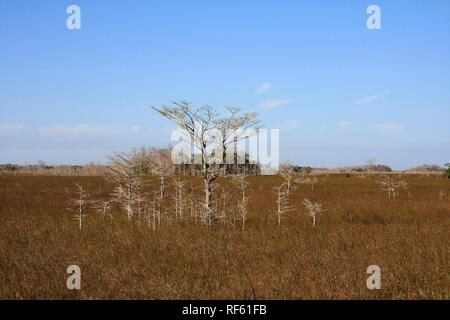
(447, 170)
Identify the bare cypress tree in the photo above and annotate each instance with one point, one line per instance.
(225, 199)
(313, 209)
(235, 128)
(179, 198)
(391, 186)
(242, 204)
(286, 171)
(148, 213)
(104, 209)
(307, 180)
(161, 166)
(197, 124)
(150, 209)
(282, 202)
(200, 125)
(124, 172)
(81, 203)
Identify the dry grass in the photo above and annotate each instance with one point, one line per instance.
(408, 237)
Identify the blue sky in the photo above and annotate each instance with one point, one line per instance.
(339, 92)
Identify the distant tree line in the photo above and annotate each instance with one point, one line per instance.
(150, 161)
(89, 169)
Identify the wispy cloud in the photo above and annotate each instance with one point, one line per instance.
(135, 128)
(374, 97)
(263, 88)
(388, 127)
(7, 128)
(344, 124)
(269, 104)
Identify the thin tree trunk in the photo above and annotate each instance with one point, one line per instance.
(208, 200)
(163, 192)
(154, 218)
(159, 212)
(81, 211)
(279, 208)
(224, 159)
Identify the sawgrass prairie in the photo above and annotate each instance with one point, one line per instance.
(406, 236)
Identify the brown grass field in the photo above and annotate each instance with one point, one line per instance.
(407, 236)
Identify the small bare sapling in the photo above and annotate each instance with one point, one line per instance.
(179, 198)
(282, 202)
(388, 184)
(287, 172)
(242, 204)
(104, 209)
(81, 203)
(307, 180)
(313, 209)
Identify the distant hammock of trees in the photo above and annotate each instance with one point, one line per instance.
(154, 158)
(235, 168)
(149, 161)
(89, 169)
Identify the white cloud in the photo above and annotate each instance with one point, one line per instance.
(344, 124)
(269, 104)
(388, 127)
(7, 128)
(135, 128)
(263, 88)
(374, 97)
(78, 129)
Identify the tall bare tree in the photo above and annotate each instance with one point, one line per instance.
(234, 128)
(197, 124)
(200, 125)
